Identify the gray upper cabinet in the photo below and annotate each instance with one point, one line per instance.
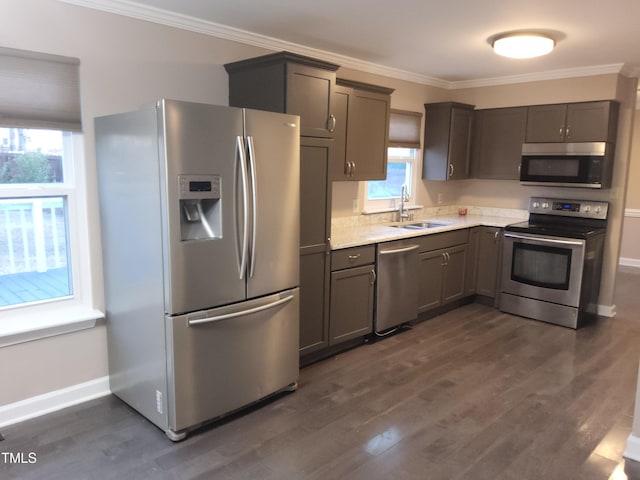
(573, 122)
(288, 83)
(362, 130)
(498, 135)
(447, 140)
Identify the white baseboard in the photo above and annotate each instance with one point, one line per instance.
(632, 451)
(52, 401)
(607, 310)
(629, 262)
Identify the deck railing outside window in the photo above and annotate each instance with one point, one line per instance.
(33, 250)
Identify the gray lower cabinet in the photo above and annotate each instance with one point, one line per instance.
(352, 293)
(315, 209)
(488, 261)
(485, 244)
(442, 269)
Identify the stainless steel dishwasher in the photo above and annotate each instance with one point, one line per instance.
(397, 284)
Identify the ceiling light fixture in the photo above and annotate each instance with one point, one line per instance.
(523, 45)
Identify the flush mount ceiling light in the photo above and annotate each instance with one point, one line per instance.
(523, 45)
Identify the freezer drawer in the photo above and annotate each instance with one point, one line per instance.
(223, 359)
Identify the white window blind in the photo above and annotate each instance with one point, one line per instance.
(404, 129)
(39, 90)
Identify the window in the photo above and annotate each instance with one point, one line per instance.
(402, 163)
(35, 190)
(43, 230)
(401, 168)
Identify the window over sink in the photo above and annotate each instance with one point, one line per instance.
(402, 163)
(401, 170)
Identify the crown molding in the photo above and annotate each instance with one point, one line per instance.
(163, 17)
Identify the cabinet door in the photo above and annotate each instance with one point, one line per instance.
(339, 168)
(351, 311)
(497, 139)
(545, 123)
(314, 231)
(447, 137)
(459, 143)
(314, 318)
(314, 191)
(489, 244)
(310, 95)
(367, 134)
(454, 274)
(430, 266)
(589, 122)
(472, 260)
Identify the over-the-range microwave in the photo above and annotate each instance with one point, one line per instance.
(587, 164)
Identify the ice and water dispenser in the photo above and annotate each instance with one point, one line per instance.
(201, 213)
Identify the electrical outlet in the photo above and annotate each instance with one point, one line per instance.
(440, 199)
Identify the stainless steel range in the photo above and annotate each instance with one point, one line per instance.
(552, 262)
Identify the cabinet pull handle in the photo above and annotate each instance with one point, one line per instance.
(331, 123)
(354, 257)
(450, 170)
(373, 276)
(561, 133)
(568, 132)
(347, 168)
(353, 168)
(495, 237)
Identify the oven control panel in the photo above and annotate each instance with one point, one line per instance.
(569, 208)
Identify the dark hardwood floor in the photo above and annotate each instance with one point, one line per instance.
(471, 394)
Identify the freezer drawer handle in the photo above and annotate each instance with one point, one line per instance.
(398, 250)
(242, 313)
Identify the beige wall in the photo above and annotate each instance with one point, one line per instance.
(630, 248)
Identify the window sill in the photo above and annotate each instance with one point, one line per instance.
(27, 326)
(373, 211)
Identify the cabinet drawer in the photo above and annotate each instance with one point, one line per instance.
(443, 240)
(352, 257)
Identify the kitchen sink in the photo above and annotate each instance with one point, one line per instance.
(421, 225)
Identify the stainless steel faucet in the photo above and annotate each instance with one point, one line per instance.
(403, 213)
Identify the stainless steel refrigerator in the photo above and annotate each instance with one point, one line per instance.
(199, 210)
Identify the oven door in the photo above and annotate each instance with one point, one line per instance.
(543, 267)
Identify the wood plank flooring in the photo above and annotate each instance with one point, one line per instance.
(471, 394)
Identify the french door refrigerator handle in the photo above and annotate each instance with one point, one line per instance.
(241, 313)
(254, 204)
(245, 201)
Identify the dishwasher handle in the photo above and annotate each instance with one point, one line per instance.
(395, 251)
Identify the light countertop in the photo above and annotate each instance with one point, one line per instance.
(353, 236)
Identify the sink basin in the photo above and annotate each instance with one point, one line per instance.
(421, 225)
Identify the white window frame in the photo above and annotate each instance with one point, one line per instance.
(392, 203)
(29, 321)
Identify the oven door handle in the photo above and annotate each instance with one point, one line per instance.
(543, 239)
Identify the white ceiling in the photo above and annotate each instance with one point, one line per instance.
(439, 42)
